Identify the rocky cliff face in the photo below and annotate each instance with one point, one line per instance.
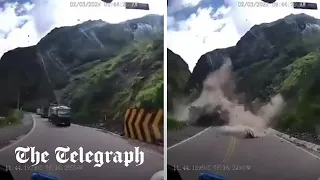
(278, 57)
(294, 36)
(207, 63)
(178, 74)
(70, 47)
(22, 77)
(42, 72)
(178, 71)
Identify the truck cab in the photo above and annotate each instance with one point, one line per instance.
(60, 115)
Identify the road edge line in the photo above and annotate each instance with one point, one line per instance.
(187, 139)
(100, 130)
(148, 150)
(297, 146)
(109, 132)
(25, 136)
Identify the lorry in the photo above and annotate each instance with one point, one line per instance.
(39, 111)
(60, 115)
(44, 111)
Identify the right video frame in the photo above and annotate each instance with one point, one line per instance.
(243, 90)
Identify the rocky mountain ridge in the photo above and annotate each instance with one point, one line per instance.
(272, 58)
(49, 70)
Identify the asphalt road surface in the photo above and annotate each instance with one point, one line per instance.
(46, 137)
(242, 159)
(12, 132)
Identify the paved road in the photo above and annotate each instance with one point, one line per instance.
(242, 159)
(13, 132)
(176, 136)
(47, 137)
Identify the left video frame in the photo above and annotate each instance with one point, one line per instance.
(84, 88)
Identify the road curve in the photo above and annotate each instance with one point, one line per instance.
(242, 159)
(47, 137)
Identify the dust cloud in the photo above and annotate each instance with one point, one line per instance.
(218, 94)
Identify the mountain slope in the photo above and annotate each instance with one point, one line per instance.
(271, 58)
(91, 66)
(134, 78)
(178, 74)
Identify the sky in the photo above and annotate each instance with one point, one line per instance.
(199, 26)
(25, 22)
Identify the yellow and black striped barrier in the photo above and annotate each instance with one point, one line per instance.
(144, 124)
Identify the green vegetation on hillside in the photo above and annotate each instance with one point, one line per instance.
(134, 78)
(173, 124)
(295, 78)
(303, 82)
(13, 117)
(293, 71)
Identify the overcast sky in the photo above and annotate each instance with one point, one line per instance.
(198, 26)
(25, 22)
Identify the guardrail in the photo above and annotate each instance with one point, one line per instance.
(145, 125)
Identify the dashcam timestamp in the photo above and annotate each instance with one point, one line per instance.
(216, 167)
(83, 4)
(45, 167)
(246, 4)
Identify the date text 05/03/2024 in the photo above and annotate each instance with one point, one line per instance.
(45, 167)
(246, 4)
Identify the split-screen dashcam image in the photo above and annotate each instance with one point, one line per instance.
(81, 89)
(159, 90)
